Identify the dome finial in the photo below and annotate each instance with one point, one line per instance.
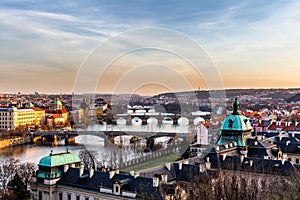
(236, 107)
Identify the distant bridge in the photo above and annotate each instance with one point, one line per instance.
(51, 137)
(144, 116)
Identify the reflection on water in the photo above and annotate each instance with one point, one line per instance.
(33, 153)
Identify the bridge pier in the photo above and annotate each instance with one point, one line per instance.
(69, 141)
(128, 121)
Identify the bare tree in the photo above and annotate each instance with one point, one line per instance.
(88, 158)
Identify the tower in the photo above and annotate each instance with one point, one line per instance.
(236, 127)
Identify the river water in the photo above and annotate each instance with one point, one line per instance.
(33, 153)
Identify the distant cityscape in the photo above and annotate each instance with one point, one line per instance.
(167, 143)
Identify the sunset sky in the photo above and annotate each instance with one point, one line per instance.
(46, 45)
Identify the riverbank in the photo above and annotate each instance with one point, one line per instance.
(14, 141)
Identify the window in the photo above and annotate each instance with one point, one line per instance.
(40, 195)
(77, 197)
(230, 123)
(69, 196)
(86, 198)
(60, 196)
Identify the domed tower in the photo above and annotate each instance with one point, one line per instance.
(236, 127)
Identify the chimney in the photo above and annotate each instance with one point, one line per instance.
(131, 173)
(180, 165)
(81, 170)
(223, 156)
(255, 143)
(91, 172)
(164, 178)
(111, 174)
(207, 159)
(226, 146)
(155, 181)
(202, 167)
(66, 168)
(296, 123)
(117, 171)
(293, 134)
(207, 165)
(136, 174)
(168, 166)
(242, 158)
(251, 162)
(289, 123)
(186, 162)
(217, 148)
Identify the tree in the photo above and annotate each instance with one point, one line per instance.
(26, 171)
(14, 179)
(17, 188)
(88, 158)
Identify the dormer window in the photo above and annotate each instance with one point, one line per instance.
(245, 121)
(230, 123)
(116, 189)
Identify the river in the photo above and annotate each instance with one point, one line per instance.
(33, 153)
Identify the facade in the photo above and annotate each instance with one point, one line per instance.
(7, 116)
(25, 117)
(39, 116)
(10, 118)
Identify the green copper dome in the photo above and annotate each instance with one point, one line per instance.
(236, 127)
(236, 123)
(59, 159)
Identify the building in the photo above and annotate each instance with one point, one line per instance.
(56, 114)
(39, 115)
(10, 118)
(7, 116)
(61, 176)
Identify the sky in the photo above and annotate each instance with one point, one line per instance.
(60, 46)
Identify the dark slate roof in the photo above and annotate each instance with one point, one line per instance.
(160, 170)
(259, 165)
(187, 173)
(71, 178)
(260, 144)
(293, 143)
(142, 185)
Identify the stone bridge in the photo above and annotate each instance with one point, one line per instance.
(51, 137)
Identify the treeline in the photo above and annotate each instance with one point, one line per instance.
(230, 185)
(15, 178)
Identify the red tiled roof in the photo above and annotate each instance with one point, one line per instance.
(37, 109)
(57, 116)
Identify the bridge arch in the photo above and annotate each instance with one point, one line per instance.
(136, 121)
(198, 120)
(121, 121)
(152, 120)
(183, 121)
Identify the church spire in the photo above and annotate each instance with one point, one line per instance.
(236, 107)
